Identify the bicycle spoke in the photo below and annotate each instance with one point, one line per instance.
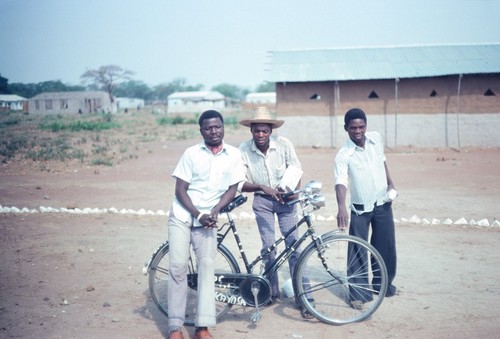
(331, 280)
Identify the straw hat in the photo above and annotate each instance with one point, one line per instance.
(262, 115)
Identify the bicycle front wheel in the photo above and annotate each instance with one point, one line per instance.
(158, 281)
(340, 279)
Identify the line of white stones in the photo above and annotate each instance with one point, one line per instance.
(242, 215)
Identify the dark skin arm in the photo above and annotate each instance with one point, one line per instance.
(342, 215)
(251, 187)
(207, 220)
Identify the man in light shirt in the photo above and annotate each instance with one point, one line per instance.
(268, 159)
(207, 177)
(361, 164)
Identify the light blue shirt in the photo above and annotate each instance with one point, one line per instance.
(364, 170)
(209, 176)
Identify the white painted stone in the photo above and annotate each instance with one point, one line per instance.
(435, 221)
(425, 221)
(461, 221)
(483, 222)
(414, 219)
(447, 221)
(496, 223)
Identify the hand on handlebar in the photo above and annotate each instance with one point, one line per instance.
(288, 195)
(276, 194)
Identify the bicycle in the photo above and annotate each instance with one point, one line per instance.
(335, 288)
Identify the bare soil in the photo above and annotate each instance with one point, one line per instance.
(80, 275)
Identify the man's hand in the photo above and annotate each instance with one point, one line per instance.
(208, 221)
(342, 218)
(273, 193)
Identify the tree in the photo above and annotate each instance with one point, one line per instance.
(106, 78)
(133, 89)
(31, 89)
(162, 91)
(266, 87)
(4, 85)
(233, 92)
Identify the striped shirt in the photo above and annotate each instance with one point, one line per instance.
(209, 177)
(365, 171)
(268, 169)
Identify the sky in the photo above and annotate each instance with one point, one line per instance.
(219, 41)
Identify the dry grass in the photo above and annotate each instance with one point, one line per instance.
(55, 142)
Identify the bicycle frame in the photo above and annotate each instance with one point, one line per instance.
(282, 258)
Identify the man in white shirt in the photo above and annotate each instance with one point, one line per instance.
(207, 177)
(361, 163)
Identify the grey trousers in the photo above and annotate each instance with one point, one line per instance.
(265, 211)
(204, 242)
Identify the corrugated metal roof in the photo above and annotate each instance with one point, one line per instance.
(370, 63)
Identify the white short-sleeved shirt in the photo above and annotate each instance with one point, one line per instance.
(209, 177)
(268, 169)
(364, 171)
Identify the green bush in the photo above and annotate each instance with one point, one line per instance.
(78, 126)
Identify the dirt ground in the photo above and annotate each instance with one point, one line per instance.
(68, 275)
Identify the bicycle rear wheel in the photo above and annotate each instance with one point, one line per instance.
(338, 288)
(158, 281)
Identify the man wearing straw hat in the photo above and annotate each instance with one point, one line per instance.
(272, 167)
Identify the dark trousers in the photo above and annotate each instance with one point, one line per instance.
(383, 238)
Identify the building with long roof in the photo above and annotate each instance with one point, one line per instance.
(423, 96)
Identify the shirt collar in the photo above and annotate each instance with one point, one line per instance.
(272, 145)
(353, 147)
(203, 146)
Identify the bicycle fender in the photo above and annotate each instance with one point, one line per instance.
(147, 264)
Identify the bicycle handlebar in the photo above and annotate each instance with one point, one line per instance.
(310, 193)
(237, 201)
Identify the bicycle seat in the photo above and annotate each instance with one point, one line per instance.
(237, 201)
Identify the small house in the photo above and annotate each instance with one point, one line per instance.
(129, 103)
(254, 100)
(195, 102)
(12, 102)
(71, 103)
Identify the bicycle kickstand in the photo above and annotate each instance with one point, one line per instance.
(255, 291)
